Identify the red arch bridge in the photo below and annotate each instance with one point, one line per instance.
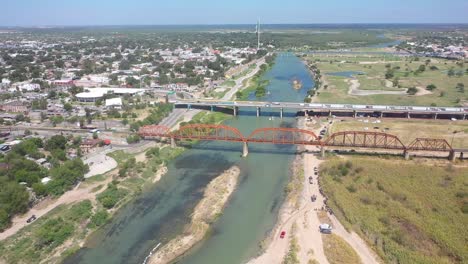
(295, 136)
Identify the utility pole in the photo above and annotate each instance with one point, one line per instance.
(258, 34)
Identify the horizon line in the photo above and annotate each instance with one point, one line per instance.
(240, 24)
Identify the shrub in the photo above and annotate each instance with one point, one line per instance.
(53, 233)
(99, 219)
(111, 196)
(351, 188)
(412, 91)
(431, 87)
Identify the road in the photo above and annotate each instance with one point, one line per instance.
(240, 81)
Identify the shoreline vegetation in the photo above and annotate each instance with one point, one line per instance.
(65, 229)
(404, 221)
(108, 193)
(210, 207)
(256, 84)
(315, 73)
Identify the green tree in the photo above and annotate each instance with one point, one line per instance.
(460, 87)
(412, 91)
(68, 107)
(431, 87)
(56, 142)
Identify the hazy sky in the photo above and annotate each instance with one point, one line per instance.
(157, 12)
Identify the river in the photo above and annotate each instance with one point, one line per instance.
(160, 212)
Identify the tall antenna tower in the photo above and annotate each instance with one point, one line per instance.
(258, 33)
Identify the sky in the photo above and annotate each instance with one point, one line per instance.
(184, 12)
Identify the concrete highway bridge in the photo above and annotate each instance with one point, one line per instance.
(459, 113)
(295, 136)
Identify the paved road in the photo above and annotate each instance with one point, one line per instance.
(99, 163)
(239, 82)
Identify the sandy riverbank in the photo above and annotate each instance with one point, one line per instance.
(300, 222)
(207, 210)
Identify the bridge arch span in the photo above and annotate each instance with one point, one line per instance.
(364, 139)
(430, 144)
(283, 135)
(208, 132)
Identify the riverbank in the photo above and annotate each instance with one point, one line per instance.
(68, 222)
(206, 212)
(256, 83)
(297, 218)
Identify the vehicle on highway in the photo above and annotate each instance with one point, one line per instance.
(310, 179)
(31, 219)
(267, 105)
(92, 131)
(283, 234)
(276, 103)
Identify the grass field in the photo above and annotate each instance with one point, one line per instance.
(409, 211)
(374, 67)
(338, 251)
(455, 132)
(40, 240)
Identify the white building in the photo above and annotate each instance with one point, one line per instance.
(115, 103)
(94, 94)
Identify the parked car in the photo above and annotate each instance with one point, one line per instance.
(30, 219)
(325, 228)
(313, 198)
(283, 234)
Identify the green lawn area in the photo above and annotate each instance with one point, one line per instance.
(374, 68)
(338, 251)
(228, 83)
(408, 211)
(456, 133)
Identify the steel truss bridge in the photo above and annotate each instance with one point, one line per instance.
(295, 136)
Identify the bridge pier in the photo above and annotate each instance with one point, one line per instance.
(235, 109)
(406, 154)
(464, 116)
(381, 114)
(408, 115)
(258, 111)
(211, 108)
(329, 113)
(322, 152)
(245, 149)
(354, 113)
(173, 143)
(189, 106)
(452, 155)
(435, 116)
(461, 155)
(281, 112)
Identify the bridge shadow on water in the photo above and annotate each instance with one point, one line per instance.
(253, 148)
